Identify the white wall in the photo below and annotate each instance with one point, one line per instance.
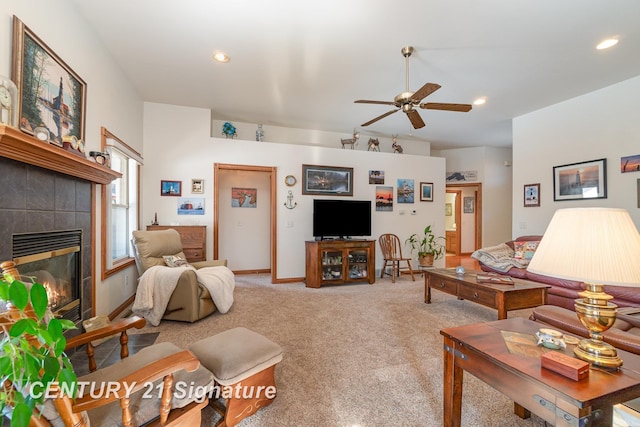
(601, 124)
(177, 146)
(111, 100)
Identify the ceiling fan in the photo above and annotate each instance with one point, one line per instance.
(407, 101)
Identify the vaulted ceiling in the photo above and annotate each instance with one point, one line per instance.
(302, 64)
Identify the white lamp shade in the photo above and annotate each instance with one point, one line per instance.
(593, 245)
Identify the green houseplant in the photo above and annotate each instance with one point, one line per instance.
(428, 246)
(32, 348)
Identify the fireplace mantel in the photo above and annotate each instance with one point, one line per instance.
(19, 146)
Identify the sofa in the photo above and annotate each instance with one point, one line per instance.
(502, 259)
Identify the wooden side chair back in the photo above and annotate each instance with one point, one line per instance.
(392, 254)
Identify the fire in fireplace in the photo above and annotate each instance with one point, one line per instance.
(52, 259)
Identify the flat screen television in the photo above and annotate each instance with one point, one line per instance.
(341, 218)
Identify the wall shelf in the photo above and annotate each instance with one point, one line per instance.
(17, 145)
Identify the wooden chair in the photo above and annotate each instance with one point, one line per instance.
(161, 362)
(392, 254)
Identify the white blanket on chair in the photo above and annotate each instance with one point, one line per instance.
(157, 284)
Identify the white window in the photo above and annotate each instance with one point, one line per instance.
(120, 204)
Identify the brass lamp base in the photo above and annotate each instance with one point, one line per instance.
(597, 353)
(597, 314)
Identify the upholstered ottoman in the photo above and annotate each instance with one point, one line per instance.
(243, 364)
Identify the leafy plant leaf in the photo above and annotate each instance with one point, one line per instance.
(38, 299)
(21, 415)
(18, 294)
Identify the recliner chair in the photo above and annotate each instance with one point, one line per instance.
(190, 300)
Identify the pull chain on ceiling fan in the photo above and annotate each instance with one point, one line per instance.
(407, 101)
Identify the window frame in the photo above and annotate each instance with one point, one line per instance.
(110, 267)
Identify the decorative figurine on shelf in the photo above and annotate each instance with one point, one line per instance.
(397, 148)
(155, 219)
(259, 133)
(351, 141)
(229, 130)
(374, 144)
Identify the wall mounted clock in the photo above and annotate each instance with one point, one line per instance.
(290, 180)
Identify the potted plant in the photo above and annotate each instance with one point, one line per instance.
(32, 345)
(429, 246)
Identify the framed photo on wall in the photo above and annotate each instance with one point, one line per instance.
(197, 186)
(50, 92)
(585, 180)
(426, 191)
(170, 188)
(327, 180)
(531, 195)
(468, 204)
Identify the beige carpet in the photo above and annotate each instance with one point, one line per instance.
(354, 355)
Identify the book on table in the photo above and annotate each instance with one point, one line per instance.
(494, 278)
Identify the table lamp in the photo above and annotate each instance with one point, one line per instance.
(597, 246)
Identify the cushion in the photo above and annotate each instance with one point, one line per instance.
(236, 354)
(525, 250)
(174, 261)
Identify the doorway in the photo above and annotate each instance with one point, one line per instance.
(468, 217)
(244, 230)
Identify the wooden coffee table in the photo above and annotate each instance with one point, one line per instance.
(481, 351)
(521, 294)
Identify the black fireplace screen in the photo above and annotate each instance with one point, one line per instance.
(52, 259)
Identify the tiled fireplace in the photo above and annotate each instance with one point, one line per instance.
(46, 189)
(34, 200)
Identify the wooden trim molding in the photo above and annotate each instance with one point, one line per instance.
(24, 148)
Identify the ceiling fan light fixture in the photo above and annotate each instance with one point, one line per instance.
(607, 43)
(221, 57)
(480, 101)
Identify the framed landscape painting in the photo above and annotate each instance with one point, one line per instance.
(50, 92)
(426, 191)
(585, 180)
(327, 180)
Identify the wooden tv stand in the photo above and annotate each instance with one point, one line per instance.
(334, 262)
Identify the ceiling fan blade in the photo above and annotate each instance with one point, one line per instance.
(425, 91)
(366, 101)
(445, 106)
(415, 119)
(388, 113)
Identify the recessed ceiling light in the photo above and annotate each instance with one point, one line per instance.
(221, 57)
(606, 44)
(479, 101)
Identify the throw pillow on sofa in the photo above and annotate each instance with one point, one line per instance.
(525, 250)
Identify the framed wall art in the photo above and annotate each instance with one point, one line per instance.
(244, 197)
(376, 177)
(193, 206)
(468, 204)
(197, 186)
(531, 195)
(327, 180)
(585, 180)
(426, 191)
(50, 92)
(405, 190)
(630, 163)
(384, 199)
(171, 188)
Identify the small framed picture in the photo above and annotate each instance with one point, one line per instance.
(468, 204)
(531, 195)
(171, 188)
(197, 186)
(426, 191)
